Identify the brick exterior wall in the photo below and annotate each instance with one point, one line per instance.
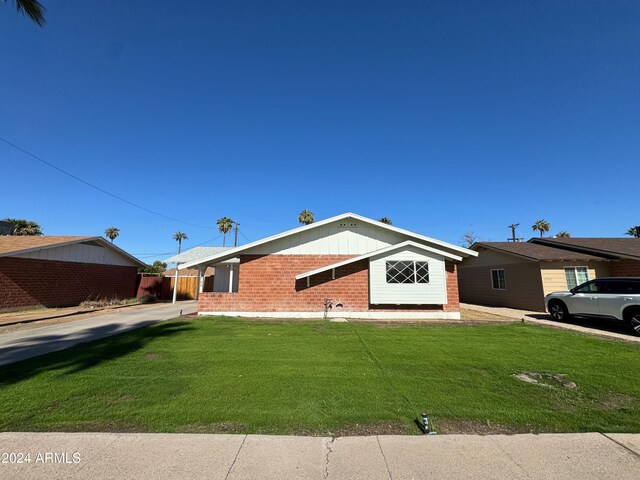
(625, 268)
(26, 282)
(267, 284)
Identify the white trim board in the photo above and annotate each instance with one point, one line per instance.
(340, 314)
(380, 251)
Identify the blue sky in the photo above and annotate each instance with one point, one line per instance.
(446, 116)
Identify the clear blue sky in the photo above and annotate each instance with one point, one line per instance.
(446, 116)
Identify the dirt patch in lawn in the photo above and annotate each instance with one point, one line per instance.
(546, 380)
(615, 401)
(472, 427)
(379, 428)
(153, 356)
(468, 314)
(220, 427)
(96, 426)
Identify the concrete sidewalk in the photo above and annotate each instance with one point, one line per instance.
(180, 456)
(16, 346)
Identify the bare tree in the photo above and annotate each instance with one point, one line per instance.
(469, 238)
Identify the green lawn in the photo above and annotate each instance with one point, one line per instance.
(229, 375)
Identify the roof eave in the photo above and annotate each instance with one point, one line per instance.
(215, 258)
(98, 239)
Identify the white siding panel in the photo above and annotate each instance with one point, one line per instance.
(80, 253)
(221, 278)
(432, 293)
(332, 239)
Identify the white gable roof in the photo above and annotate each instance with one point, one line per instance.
(234, 252)
(381, 251)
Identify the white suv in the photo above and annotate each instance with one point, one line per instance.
(617, 297)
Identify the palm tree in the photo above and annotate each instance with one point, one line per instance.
(24, 227)
(112, 233)
(634, 232)
(542, 226)
(178, 237)
(386, 220)
(305, 217)
(225, 224)
(33, 9)
(563, 234)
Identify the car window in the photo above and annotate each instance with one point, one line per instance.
(590, 287)
(623, 287)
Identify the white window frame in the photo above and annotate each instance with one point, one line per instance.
(504, 279)
(415, 272)
(575, 273)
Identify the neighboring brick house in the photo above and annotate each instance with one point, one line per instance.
(520, 274)
(62, 271)
(358, 267)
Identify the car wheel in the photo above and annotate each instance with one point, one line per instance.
(558, 311)
(635, 321)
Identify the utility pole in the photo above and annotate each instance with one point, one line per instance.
(513, 227)
(235, 239)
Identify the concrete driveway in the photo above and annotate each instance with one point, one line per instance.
(228, 457)
(597, 327)
(16, 346)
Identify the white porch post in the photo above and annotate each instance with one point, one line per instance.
(200, 280)
(230, 278)
(175, 285)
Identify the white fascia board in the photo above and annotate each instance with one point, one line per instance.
(380, 251)
(233, 252)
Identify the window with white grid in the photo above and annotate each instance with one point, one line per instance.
(576, 276)
(404, 271)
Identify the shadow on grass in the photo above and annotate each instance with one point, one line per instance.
(85, 353)
(603, 324)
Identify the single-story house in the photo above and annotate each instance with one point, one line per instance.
(57, 271)
(520, 274)
(344, 266)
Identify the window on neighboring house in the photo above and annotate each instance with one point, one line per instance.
(576, 276)
(497, 279)
(407, 272)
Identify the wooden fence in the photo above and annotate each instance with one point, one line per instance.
(162, 287)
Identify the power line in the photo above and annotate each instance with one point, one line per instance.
(100, 189)
(147, 254)
(245, 237)
(206, 241)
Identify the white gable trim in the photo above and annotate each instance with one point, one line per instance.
(233, 252)
(380, 251)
